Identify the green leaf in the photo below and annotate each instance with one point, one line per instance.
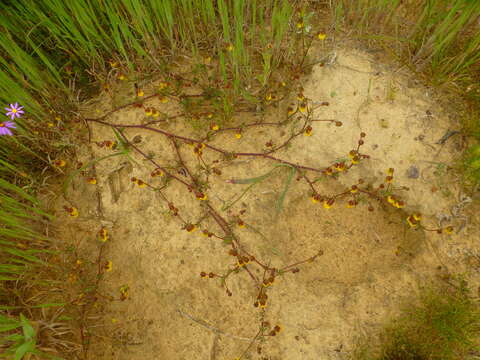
(28, 330)
(25, 348)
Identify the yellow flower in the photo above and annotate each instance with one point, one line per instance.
(302, 107)
(300, 97)
(155, 113)
(351, 204)
(391, 199)
(355, 160)
(207, 60)
(121, 77)
(327, 204)
(92, 180)
(163, 99)
(50, 124)
(103, 235)
(238, 135)
(268, 97)
(111, 144)
(58, 118)
(156, 172)
(108, 266)
(315, 198)
(354, 189)
(411, 221)
(300, 25)
(268, 282)
(417, 216)
(339, 166)
(163, 85)
(201, 196)
(72, 211)
(389, 179)
(148, 111)
(139, 182)
(240, 224)
(209, 115)
(290, 111)
(390, 172)
(399, 204)
(79, 262)
(448, 229)
(112, 63)
(140, 92)
(59, 163)
(124, 292)
(215, 127)
(190, 228)
(308, 131)
(321, 36)
(230, 47)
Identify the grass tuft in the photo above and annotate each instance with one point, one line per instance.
(443, 324)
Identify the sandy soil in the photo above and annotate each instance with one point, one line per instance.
(372, 261)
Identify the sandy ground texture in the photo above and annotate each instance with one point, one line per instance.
(371, 261)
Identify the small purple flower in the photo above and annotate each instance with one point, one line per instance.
(6, 126)
(14, 111)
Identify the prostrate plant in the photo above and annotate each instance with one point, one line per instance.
(299, 117)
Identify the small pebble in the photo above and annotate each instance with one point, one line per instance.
(413, 172)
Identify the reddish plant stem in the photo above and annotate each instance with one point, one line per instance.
(175, 145)
(224, 152)
(155, 163)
